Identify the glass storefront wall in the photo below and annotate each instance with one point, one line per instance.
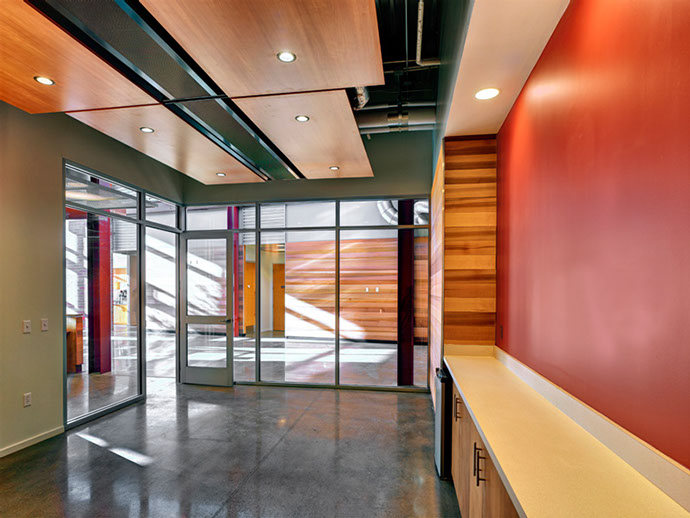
(105, 230)
(344, 303)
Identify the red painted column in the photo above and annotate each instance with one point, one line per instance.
(406, 294)
(100, 293)
(233, 223)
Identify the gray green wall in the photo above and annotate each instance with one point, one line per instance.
(401, 164)
(32, 148)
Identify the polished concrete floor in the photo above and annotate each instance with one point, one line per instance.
(247, 452)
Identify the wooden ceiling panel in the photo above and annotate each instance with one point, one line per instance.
(329, 138)
(174, 142)
(31, 45)
(236, 42)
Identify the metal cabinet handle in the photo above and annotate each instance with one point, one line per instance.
(477, 469)
(458, 402)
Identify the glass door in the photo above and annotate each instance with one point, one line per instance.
(206, 309)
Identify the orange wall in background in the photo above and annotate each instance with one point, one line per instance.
(594, 216)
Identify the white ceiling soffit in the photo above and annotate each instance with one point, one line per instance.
(504, 41)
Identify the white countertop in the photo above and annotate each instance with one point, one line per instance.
(551, 467)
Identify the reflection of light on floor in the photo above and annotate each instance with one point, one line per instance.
(133, 456)
(125, 453)
(92, 439)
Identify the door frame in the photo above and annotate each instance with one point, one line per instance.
(216, 376)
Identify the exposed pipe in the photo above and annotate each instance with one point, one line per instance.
(414, 104)
(386, 119)
(420, 32)
(389, 129)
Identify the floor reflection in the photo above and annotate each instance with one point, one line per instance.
(245, 451)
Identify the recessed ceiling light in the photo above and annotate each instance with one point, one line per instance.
(286, 56)
(220, 174)
(44, 80)
(302, 118)
(146, 129)
(487, 93)
(334, 168)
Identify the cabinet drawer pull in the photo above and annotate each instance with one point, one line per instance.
(477, 469)
(457, 408)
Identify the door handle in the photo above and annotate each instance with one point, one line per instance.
(228, 320)
(477, 469)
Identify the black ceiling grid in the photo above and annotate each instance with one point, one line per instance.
(127, 37)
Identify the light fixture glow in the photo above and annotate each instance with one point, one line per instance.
(44, 80)
(146, 129)
(286, 56)
(334, 168)
(220, 174)
(487, 93)
(302, 118)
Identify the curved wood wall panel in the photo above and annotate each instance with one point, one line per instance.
(174, 142)
(236, 42)
(31, 45)
(329, 138)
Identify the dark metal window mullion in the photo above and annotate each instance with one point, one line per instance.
(337, 293)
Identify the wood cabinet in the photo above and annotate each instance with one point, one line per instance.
(478, 486)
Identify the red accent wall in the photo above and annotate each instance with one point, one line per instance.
(594, 216)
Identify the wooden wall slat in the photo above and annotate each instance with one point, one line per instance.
(463, 247)
(364, 263)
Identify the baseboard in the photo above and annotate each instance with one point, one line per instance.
(7, 450)
(662, 471)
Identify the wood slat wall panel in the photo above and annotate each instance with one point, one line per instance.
(470, 241)
(463, 247)
(364, 263)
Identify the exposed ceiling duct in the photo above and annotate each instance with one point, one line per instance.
(389, 211)
(386, 121)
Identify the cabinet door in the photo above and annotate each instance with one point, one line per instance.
(461, 455)
(488, 496)
(497, 503)
(475, 466)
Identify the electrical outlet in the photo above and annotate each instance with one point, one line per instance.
(26, 326)
(27, 399)
(44, 324)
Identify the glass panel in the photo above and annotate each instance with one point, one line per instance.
(160, 211)
(421, 305)
(161, 302)
(207, 345)
(97, 193)
(298, 214)
(221, 217)
(298, 306)
(381, 212)
(368, 307)
(206, 277)
(102, 300)
(244, 306)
